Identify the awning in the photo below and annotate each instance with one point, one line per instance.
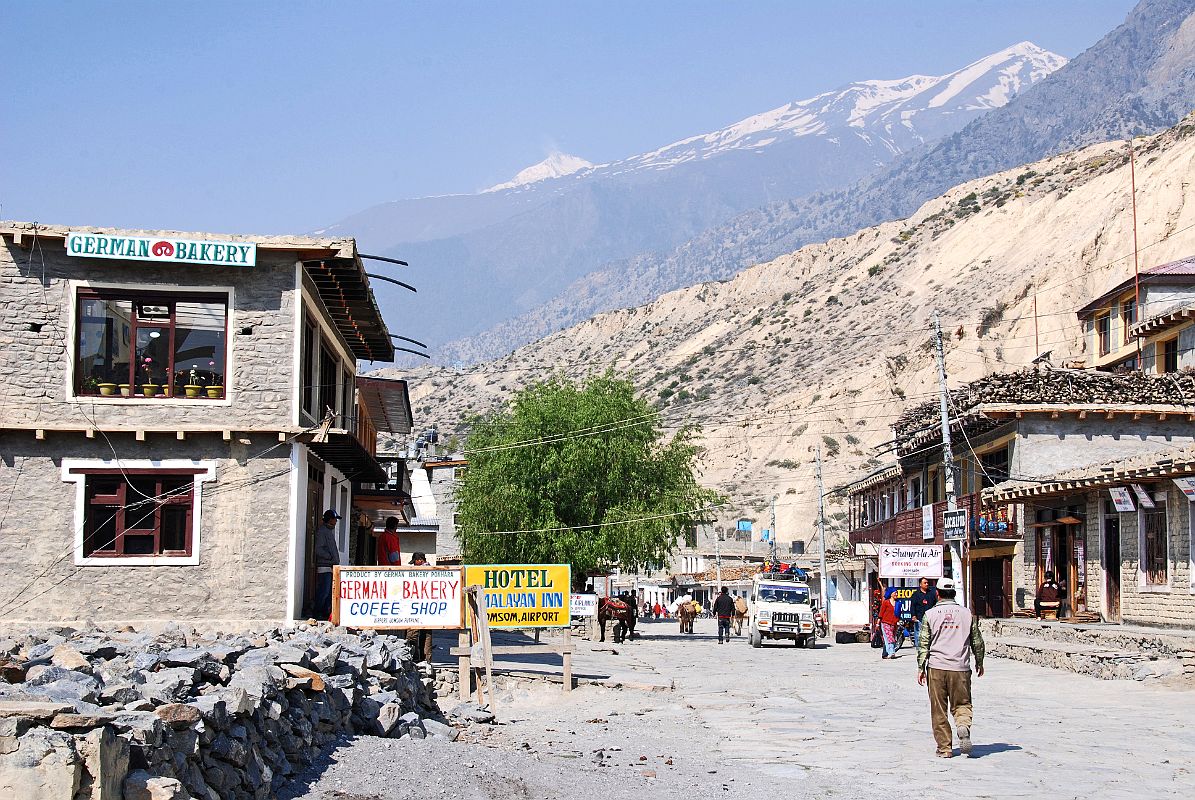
(343, 288)
(388, 403)
(345, 452)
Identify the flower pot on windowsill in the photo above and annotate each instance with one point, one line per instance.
(193, 390)
(125, 390)
(149, 389)
(215, 392)
(107, 389)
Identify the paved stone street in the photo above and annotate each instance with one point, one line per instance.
(831, 722)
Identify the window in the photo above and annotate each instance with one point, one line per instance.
(137, 514)
(151, 345)
(1128, 318)
(323, 384)
(1102, 324)
(1154, 545)
(994, 467)
(1169, 352)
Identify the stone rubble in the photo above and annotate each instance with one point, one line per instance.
(93, 715)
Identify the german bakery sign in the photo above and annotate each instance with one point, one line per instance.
(166, 249)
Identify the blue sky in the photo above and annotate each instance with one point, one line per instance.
(284, 117)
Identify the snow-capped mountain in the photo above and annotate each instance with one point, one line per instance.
(556, 165)
(480, 258)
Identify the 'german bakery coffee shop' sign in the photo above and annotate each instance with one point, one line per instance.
(398, 597)
(524, 595)
(161, 249)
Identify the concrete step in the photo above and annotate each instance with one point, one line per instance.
(1088, 658)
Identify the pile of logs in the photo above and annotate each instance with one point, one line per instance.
(1055, 387)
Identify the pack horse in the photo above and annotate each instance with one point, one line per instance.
(622, 611)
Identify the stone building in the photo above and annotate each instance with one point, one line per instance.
(1012, 433)
(178, 410)
(1117, 534)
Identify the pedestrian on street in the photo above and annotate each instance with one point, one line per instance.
(1049, 593)
(724, 609)
(656, 610)
(420, 639)
(949, 637)
(922, 600)
(326, 555)
(888, 620)
(389, 554)
(740, 614)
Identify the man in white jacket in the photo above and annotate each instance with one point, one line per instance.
(949, 637)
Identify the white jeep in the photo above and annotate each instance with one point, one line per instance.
(780, 607)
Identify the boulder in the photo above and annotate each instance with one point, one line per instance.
(295, 671)
(105, 764)
(170, 685)
(178, 715)
(72, 721)
(325, 660)
(42, 765)
(35, 710)
(140, 785)
(68, 657)
(439, 730)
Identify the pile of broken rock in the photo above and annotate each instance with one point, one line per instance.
(177, 714)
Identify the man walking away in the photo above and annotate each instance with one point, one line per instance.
(389, 552)
(922, 600)
(326, 555)
(724, 609)
(949, 637)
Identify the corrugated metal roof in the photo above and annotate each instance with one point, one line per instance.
(1184, 269)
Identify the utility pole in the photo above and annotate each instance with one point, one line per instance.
(718, 560)
(956, 547)
(772, 540)
(821, 532)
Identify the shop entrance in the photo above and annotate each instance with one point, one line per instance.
(315, 510)
(1111, 563)
(991, 587)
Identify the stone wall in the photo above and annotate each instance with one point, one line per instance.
(35, 288)
(94, 715)
(245, 531)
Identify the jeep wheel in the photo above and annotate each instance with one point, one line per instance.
(755, 639)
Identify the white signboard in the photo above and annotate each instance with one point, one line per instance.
(1122, 498)
(954, 525)
(1187, 487)
(927, 522)
(398, 597)
(162, 249)
(1143, 496)
(583, 605)
(910, 560)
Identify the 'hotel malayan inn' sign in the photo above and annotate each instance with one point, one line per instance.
(161, 249)
(398, 597)
(524, 595)
(910, 560)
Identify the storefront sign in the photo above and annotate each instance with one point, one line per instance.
(910, 560)
(954, 525)
(1142, 496)
(524, 595)
(927, 522)
(583, 605)
(1122, 499)
(398, 597)
(168, 249)
(1187, 487)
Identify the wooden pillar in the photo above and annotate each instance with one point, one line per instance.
(463, 667)
(568, 659)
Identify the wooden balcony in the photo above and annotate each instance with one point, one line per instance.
(908, 527)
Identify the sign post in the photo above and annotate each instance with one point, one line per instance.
(382, 598)
(954, 525)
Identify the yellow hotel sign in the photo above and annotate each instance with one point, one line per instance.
(524, 595)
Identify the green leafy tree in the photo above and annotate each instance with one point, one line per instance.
(580, 474)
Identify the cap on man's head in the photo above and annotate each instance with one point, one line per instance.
(947, 584)
(331, 514)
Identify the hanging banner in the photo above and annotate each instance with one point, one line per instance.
(954, 525)
(583, 605)
(524, 595)
(1142, 496)
(398, 597)
(910, 560)
(161, 249)
(1187, 487)
(1122, 498)
(927, 522)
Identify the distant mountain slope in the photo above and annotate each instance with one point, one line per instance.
(824, 347)
(482, 258)
(1139, 78)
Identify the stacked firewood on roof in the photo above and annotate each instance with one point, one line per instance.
(1055, 387)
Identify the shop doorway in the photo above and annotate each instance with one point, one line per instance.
(1111, 564)
(991, 587)
(315, 501)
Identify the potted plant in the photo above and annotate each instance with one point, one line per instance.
(91, 385)
(194, 387)
(215, 391)
(125, 390)
(149, 388)
(107, 389)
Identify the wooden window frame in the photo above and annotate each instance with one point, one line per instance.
(1147, 572)
(140, 297)
(1103, 334)
(1166, 350)
(1128, 318)
(85, 472)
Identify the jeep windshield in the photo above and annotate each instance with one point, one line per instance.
(785, 594)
